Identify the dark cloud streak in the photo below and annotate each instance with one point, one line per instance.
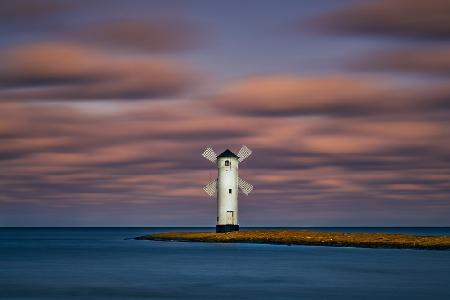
(417, 19)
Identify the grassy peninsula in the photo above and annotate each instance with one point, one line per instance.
(307, 237)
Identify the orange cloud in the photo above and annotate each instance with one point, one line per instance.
(55, 71)
(293, 95)
(327, 96)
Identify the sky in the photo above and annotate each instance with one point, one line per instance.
(106, 107)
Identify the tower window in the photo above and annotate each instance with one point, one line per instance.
(229, 191)
(227, 163)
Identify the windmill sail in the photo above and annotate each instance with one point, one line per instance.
(211, 188)
(244, 153)
(245, 187)
(210, 155)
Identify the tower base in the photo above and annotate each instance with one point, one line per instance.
(227, 228)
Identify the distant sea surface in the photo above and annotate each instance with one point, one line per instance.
(99, 263)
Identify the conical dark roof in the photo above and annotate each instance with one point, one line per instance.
(227, 153)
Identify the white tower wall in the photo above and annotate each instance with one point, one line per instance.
(227, 191)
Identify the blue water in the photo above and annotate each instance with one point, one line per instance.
(98, 263)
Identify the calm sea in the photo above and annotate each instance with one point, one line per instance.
(99, 263)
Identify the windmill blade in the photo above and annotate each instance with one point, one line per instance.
(211, 188)
(244, 153)
(245, 187)
(210, 155)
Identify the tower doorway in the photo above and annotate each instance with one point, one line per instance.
(230, 217)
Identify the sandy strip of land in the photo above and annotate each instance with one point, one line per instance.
(307, 237)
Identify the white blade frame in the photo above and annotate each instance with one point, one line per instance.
(245, 187)
(244, 152)
(211, 188)
(210, 155)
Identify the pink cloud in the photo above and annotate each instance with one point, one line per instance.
(56, 71)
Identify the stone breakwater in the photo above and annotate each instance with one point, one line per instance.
(307, 237)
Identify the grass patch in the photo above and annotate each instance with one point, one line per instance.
(307, 237)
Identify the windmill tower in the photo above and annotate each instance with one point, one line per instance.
(226, 186)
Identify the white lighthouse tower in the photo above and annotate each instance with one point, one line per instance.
(226, 186)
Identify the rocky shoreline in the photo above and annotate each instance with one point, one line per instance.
(307, 237)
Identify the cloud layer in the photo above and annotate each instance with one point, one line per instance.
(327, 95)
(148, 156)
(54, 71)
